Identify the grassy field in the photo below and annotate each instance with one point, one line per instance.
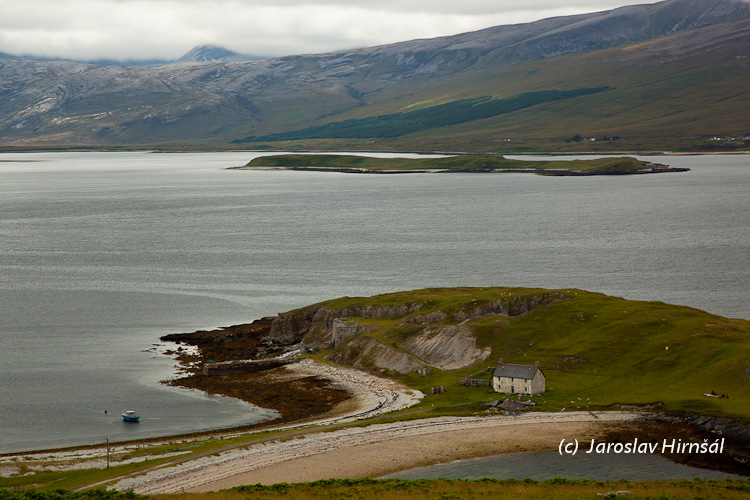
(397, 489)
(461, 163)
(597, 351)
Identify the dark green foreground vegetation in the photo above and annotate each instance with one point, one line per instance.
(62, 494)
(397, 489)
(461, 163)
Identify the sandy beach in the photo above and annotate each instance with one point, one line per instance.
(352, 452)
(376, 449)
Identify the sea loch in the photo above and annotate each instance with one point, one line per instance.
(103, 253)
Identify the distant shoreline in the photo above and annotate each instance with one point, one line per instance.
(551, 173)
(353, 163)
(167, 150)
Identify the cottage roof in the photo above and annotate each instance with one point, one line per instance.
(515, 371)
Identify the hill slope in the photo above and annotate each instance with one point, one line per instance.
(674, 71)
(596, 351)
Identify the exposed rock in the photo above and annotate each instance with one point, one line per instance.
(365, 353)
(447, 347)
(511, 306)
(316, 323)
(431, 317)
(428, 343)
(214, 53)
(615, 493)
(573, 359)
(382, 311)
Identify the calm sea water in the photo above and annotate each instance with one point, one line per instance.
(102, 253)
(546, 465)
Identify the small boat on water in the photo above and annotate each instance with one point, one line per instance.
(130, 416)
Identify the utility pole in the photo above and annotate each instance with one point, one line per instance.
(107, 452)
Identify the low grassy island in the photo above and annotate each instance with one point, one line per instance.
(460, 163)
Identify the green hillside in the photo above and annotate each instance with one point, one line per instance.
(597, 351)
(671, 75)
(415, 120)
(694, 99)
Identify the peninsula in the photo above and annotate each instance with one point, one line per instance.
(599, 353)
(458, 163)
(388, 377)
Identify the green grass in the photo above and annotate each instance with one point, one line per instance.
(62, 494)
(437, 489)
(404, 123)
(595, 350)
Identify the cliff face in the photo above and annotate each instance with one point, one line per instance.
(446, 347)
(369, 354)
(415, 336)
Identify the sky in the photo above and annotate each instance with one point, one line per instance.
(166, 29)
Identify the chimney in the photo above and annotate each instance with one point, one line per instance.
(536, 366)
(500, 362)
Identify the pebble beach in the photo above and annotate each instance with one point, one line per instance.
(352, 452)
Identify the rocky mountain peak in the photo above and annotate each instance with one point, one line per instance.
(214, 53)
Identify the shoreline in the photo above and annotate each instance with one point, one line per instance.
(9, 149)
(367, 396)
(306, 453)
(274, 458)
(354, 163)
(374, 450)
(537, 171)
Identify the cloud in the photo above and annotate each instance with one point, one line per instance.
(130, 29)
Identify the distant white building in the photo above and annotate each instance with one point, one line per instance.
(518, 379)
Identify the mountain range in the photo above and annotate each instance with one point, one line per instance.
(199, 53)
(673, 74)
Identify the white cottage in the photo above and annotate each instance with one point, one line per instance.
(518, 379)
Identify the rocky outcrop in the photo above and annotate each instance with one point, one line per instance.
(511, 306)
(315, 324)
(430, 317)
(433, 338)
(292, 327)
(214, 53)
(369, 354)
(447, 347)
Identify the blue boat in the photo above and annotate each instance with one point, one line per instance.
(130, 416)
